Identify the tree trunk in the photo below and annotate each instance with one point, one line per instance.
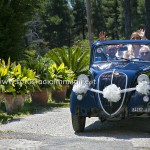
(116, 24)
(89, 21)
(127, 18)
(83, 25)
(134, 15)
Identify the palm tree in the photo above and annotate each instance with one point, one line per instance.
(75, 58)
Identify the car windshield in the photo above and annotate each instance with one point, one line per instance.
(133, 52)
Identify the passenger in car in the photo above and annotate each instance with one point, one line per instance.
(145, 53)
(133, 50)
(138, 35)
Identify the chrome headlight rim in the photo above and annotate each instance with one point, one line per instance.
(143, 77)
(83, 79)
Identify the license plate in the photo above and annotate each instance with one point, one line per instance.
(140, 109)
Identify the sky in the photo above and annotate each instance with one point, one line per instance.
(69, 3)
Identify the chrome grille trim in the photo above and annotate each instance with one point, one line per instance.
(110, 102)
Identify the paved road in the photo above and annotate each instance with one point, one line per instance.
(52, 130)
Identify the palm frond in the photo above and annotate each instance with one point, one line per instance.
(75, 58)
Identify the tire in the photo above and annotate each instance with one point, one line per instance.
(78, 123)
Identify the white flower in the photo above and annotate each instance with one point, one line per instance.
(80, 88)
(143, 87)
(112, 93)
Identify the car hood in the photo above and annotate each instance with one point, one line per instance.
(121, 66)
(131, 70)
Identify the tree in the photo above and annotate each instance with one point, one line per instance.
(134, 15)
(116, 18)
(98, 17)
(14, 14)
(57, 23)
(80, 21)
(127, 18)
(111, 17)
(141, 13)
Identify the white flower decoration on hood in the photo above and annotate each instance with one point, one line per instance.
(112, 93)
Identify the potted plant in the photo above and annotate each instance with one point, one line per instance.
(75, 58)
(41, 66)
(64, 76)
(3, 76)
(20, 81)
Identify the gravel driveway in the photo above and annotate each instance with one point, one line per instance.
(52, 130)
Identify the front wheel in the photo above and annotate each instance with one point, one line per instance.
(78, 123)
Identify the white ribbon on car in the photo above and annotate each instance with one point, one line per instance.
(111, 92)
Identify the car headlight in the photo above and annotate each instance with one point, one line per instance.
(83, 79)
(81, 86)
(143, 77)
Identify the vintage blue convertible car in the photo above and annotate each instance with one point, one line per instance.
(118, 85)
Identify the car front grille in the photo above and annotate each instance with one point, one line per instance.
(118, 78)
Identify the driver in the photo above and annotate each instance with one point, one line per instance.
(145, 53)
(112, 51)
